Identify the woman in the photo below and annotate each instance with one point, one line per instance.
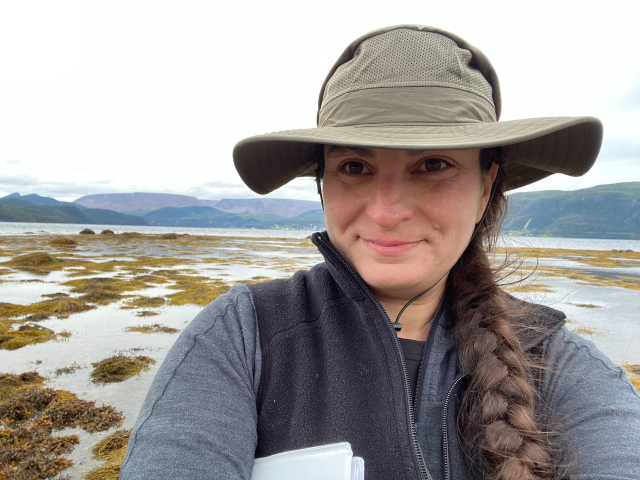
(466, 381)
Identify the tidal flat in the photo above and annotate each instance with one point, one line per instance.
(73, 324)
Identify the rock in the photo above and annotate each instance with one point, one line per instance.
(87, 231)
(35, 326)
(169, 236)
(107, 232)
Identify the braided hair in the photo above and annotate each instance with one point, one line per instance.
(499, 429)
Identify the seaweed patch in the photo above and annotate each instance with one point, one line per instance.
(112, 449)
(634, 374)
(63, 242)
(119, 368)
(60, 307)
(29, 415)
(36, 262)
(581, 329)
(144, 302)
(70, 369)
(15, 339)
(155, 328)
(584, 305)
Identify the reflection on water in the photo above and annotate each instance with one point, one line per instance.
(146, 266)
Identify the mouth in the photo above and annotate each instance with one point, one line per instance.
(389, 247)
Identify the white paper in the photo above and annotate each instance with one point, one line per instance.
(326, 462)
(357, 468)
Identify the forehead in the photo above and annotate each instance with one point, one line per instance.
(341, 151)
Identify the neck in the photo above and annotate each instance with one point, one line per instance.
(417, 318)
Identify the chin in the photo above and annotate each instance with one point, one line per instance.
(389, 279)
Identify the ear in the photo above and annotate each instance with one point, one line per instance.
(487, 182)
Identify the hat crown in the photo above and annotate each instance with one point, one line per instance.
(406, 57)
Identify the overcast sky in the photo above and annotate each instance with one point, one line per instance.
(151, 96)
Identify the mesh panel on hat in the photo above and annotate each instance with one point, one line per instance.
(407, 58)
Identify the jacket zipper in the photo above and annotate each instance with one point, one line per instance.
(424, 475)
(445, 435)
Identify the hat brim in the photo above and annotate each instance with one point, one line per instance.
(535, 148)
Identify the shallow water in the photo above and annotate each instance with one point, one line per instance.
(17, 228)
(99, 333)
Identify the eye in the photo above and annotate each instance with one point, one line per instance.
(433, 165)
(355, 168)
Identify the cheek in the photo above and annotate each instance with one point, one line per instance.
(452, 207)
(341, 209)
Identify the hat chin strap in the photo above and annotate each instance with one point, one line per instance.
(319, 185)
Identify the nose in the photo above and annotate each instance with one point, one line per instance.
(389, 203)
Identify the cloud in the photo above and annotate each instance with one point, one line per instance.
(26, 184)
(10, 162)
(620, 149)
(298, 189)
(602, 173)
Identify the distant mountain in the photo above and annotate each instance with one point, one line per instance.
(282, 207)
(605, 211)
(143, 203)
(130, 202)
(101, 216)
(18, 210)
(208, 217)
(34, 199)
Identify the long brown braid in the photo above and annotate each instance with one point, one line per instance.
(497, 420)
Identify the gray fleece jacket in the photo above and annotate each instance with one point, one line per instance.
(201, 416)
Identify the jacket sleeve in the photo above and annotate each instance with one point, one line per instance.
(597, 406)
(199, 418)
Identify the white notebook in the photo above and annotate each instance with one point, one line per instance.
(327, 462)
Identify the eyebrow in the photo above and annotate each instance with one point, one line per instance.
(363, 152)
(341, 150)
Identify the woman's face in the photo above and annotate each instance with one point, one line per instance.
(402, 218)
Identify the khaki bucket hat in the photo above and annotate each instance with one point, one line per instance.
(414, 87)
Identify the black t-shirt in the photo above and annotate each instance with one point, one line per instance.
(412, 350)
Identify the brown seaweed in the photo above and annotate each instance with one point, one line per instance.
(119, 368)
(29, 416)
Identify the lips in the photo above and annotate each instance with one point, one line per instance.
(389, 247)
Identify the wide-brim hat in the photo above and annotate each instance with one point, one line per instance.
(419, 88)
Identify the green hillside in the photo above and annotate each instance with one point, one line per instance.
(18, 210)
(37, 200)
(208, 217)
(312, 220)
(605, 211)
(109, 217)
